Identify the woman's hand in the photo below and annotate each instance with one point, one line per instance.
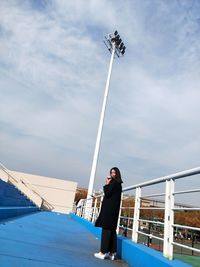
(108, 179)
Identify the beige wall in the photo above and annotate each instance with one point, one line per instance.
(58, 192)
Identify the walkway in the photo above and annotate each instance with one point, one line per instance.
(47, 239)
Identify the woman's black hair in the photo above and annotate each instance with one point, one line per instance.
(118, 174)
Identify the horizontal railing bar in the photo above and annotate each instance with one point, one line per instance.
(153, 236)
(186, 227)
(156, 222)
(174, 176)
(153, 195)
(151, 208)
(123, 227)
(186, 191)
(184, 246)
(127, 207)
(124, 217)
(192, 209)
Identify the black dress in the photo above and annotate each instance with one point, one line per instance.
(108, 216)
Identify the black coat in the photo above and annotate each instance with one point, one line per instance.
(108, 216)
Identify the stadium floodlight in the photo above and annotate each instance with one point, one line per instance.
(114, 41)
(116, 47)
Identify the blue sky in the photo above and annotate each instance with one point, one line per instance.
(53, 68)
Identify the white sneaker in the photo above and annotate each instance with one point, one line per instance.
(100, 255)
(112, 257)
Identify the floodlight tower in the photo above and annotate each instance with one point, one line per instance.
(116, 47)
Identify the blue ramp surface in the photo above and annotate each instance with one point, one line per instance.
(48, 239)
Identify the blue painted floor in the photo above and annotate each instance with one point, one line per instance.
(48, 239)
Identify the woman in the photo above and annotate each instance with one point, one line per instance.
(108, 216)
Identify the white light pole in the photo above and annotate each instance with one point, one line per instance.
(116, 47)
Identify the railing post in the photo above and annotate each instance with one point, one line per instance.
(101, 199)
(169, 220)
(120, 212)
(100, 204)
(83, 209)
(91, 210)
(94, 210)
(136, 215)
(86, 210)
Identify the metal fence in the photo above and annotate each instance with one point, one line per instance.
(138, 224)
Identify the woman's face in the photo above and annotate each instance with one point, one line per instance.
(113, 173)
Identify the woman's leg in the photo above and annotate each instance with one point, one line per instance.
(105, 240)
(113, 242)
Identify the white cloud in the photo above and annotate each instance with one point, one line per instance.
(53, 68)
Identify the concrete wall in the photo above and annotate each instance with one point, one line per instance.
(58, 192)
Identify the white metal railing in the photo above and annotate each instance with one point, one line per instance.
(25, 187)
(169, 208)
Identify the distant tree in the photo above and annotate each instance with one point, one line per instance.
(128, 203)
(190, 218)
(81, 193)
